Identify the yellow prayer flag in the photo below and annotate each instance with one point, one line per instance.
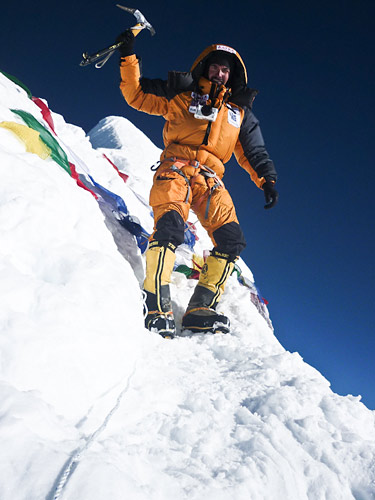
(29, 137)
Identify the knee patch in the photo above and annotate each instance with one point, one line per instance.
(170, 228)
(229, 239)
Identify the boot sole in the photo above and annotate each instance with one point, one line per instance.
(211, 330)
(167, 334)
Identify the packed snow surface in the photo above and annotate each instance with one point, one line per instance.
(95, 407)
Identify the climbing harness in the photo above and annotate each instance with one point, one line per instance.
(206, 172)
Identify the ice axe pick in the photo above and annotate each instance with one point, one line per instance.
(103, 55)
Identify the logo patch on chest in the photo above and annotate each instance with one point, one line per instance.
(234, 117)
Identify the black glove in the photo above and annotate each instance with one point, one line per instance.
(127, 38)
(270, 194)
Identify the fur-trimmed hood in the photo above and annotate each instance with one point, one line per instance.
(238, 77)
(241, 94)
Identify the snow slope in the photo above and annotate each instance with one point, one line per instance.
(93, 406)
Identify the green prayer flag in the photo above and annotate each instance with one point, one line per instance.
(17, 82)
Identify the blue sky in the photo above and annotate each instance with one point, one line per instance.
(312, 255)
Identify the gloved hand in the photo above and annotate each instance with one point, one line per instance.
(127, 47)
(270, 194)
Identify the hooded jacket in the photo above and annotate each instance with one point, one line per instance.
(212, 143)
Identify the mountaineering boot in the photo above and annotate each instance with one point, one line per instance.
(159, 318)
(205, 320)
(161, 322)
(201, 315)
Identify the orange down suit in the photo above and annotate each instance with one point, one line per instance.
(192, 163)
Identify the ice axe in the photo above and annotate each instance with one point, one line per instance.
(102, 56)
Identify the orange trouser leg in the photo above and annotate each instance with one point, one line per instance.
(170, 191)
(214, 208)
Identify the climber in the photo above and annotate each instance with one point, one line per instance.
(208, 117)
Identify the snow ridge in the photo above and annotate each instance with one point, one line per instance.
(93, 406)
